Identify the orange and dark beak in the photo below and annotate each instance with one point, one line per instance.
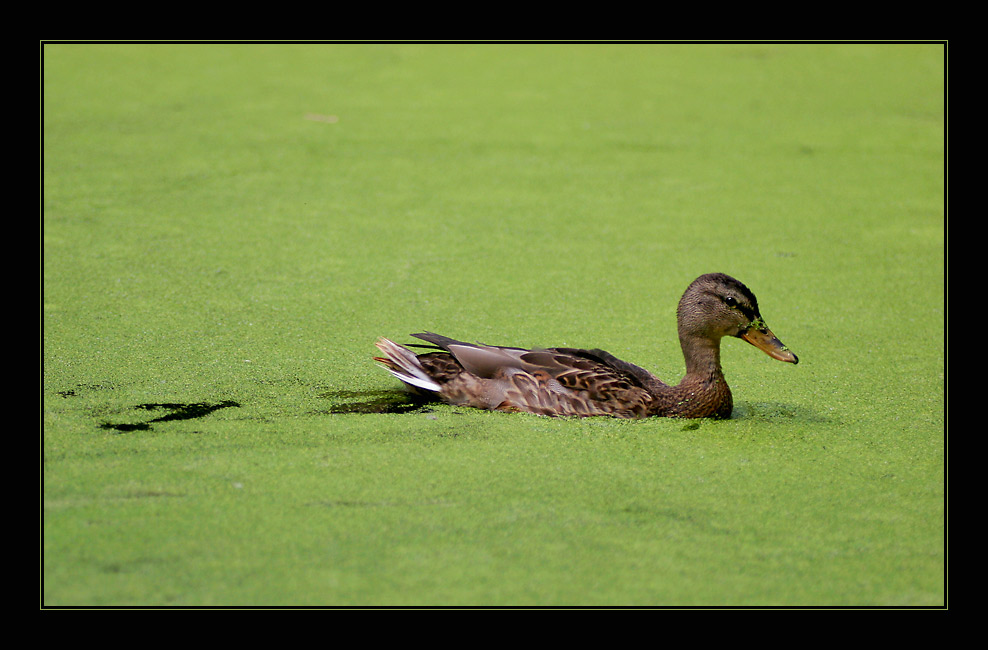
(763, 339)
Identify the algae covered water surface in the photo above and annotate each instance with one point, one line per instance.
(228, 228)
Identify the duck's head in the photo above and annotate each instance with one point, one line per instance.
(716, 305)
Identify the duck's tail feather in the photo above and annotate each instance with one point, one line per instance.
(403, 364)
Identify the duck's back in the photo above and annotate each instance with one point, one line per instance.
(554, 381)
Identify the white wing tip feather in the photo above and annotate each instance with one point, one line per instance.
(410, 370)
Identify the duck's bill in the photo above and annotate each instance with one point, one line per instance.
(764, 340)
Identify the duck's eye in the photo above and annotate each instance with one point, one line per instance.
(731, 302)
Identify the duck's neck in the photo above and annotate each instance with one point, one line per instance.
(703, 392)
(702, 358)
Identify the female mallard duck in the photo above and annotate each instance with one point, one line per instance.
(569, 381)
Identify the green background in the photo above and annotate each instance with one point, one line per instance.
(234, 225)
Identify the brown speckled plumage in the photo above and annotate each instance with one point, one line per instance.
(577, 382)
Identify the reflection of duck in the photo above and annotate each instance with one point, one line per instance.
(569, 381)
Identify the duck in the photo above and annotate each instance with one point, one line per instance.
(564, 381)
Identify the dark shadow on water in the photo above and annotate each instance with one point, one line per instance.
(778, 411)
(375, 401)
(764, 412)
(176, 412)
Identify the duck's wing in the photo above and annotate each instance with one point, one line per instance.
(570, 381)
(644, 377)
(554, 381)
(485, 360)
(440, 342)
